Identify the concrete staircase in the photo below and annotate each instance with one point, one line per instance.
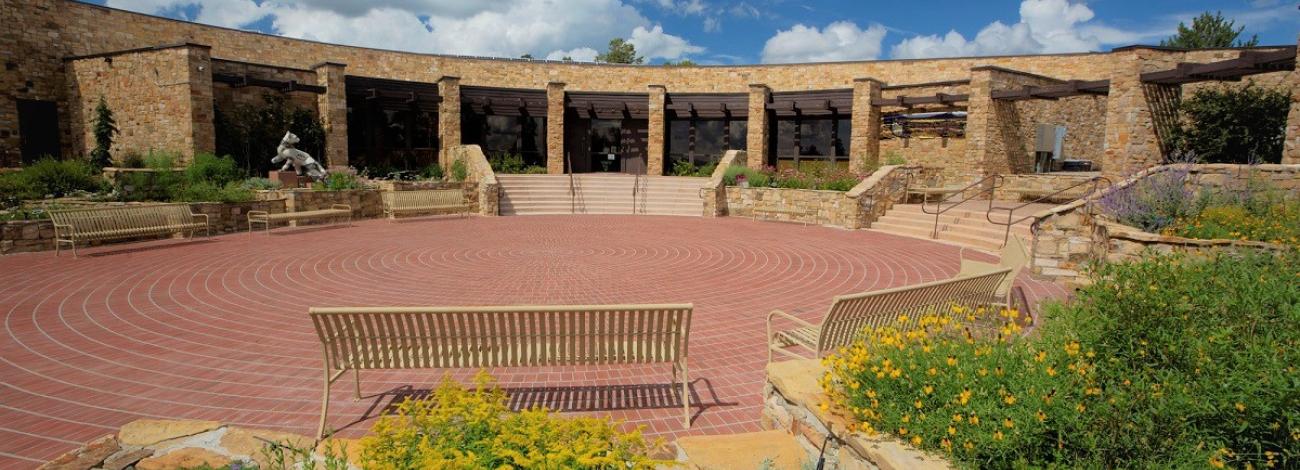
(964, 225)
(600, 193)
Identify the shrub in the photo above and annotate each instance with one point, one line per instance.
(157, 185)
(338, 181)
(684, 168)
(1231, 124)
(707, 169)
(14, 188)
(432, 172)
(1171, 362)
(103, 127)
(260, 184)
(133, 160)
(459, 171)
(892, 157)
(204, 191)
(208, 168)
(57, 178)
(470, 429)
(250, 133)
(507, 163)
(1154, 202)
(1276, 223)
(757, 179)
(535, 170)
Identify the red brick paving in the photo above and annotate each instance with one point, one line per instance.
(218, 329)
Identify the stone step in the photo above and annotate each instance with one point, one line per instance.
(741, 451)
(980, 227)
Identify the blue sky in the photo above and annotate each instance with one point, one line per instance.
(730, 31)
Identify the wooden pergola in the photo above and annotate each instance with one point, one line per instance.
(1053, 92)
(393, 94)
(243, 80)
(910, 101)
(1248, 63)
(708, 105)
(812, 103)
(503, 101)
(609, 105)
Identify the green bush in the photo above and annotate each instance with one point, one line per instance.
(757, 179)
(156, 185)
(1276, 223)
(707, 169)
(261, 184)
(459, 171)
(14, 188)
(684, 168)
(338, 181)
(208, 168)
(1171, 362)
(133, 160)
(892, 157)
(204, 191)
(51, 177)
(1232, 124)
(471, 429)
(432, 172)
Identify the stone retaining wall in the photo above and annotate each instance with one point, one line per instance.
(1068, 237)
(1017, 187)
(830, 208)
(472, 195)
(366, 203)
(792, 403)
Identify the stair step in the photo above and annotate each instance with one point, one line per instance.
(741, 451)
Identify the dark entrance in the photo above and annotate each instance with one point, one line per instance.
(607, 132)
(392, 125)
(38, 129)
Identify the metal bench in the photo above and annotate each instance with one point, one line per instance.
(266, 219)
(1014, 257)
(805, 214)
(378, 338)
(425, 201)
(123, 222)
(850, 314)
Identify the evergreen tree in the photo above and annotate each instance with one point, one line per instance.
(680, 63)
(620, 52)
(103, 128)
(1209, 31)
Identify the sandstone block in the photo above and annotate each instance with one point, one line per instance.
(146, 432)
(89, 456)
(189, 457)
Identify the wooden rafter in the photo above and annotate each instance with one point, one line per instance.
(240, 81)
(1248, 63)
(909, 101)
(1052, 92)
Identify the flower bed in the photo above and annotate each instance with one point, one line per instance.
(1169, 362)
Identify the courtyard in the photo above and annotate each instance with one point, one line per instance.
(217, 329)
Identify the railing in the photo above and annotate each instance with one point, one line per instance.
(568, 169)
(995, 181)
(639, 188)
(1095, 182)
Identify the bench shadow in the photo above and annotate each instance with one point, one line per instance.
(428, 218)
(581, 398)
(289, 231)
(142, 249)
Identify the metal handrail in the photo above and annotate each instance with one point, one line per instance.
(573, 194)
(939, 209)
(1094, 181)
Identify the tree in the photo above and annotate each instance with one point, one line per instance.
(1209, 31)
(526, 56)
(620, 52)
(680, 63)
(567, 59)
(103, 128)
(1232, 124)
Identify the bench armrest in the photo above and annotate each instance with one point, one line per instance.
(341, 206)
(207, 220)
(257, 213)
(779, 313)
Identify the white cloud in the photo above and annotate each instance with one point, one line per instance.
(655, 43)
(581, 54)
(841, 40)
(712, 25)
(1046, 26)
(502, 28)
(684, 7)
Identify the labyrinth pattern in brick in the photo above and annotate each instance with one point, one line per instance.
(218, 329)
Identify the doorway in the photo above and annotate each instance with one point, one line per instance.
(38, 130)
(607, 145)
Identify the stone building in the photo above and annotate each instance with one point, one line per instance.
(168, 80)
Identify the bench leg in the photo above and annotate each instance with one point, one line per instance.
(356, 380)
(686, 394)
(324, 404)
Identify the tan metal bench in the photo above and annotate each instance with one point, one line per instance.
(266, 219)
(370, 338)
(425, 201)
(794, 213)
(1014, 257)
(850, 314)
(123, 222)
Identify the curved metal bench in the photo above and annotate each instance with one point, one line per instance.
(424, 202)
(266, 219)
(377, 338)
(124, 222)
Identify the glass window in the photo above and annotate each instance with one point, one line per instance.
(708, 140)
(522, 135)
(679, 139)
(843, 131)
(739, 138)
(815, 137)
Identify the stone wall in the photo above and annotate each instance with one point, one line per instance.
(880, 191)
(470, 190)
(715, 192)
(161, 99)
(948, 155)
(1031, 186)
(226, 96)
(829, 208)
(1068, 237)
(366, 203)
(1084, 118)
(21, 236)
(480, 174)
(793, 402)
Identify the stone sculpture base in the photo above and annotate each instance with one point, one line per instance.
(287, 179)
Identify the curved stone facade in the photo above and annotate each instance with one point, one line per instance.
(70, 53)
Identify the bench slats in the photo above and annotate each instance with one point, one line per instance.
(110, 223)
(429, 200)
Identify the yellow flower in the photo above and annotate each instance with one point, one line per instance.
(997, 436)
(952, 360)
(916, 440)
(957, 418)
(1041, 416)
(964, 397)
(928, 389)
(1051, 371)
(1241, 407)
(1009, 399)
(918, 404)
(974, 420)
(1008, 423)
(902, 431)
(952, 430)
(1041, 356)
(1080, 408)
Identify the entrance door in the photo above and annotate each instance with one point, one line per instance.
(632, 141)
(38, 129)
(577, 143)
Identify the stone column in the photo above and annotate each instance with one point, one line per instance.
(864, 140)
(448, 117)
(1291, 148)
(655, 137)
(756, 144)
(1132, 121)
(981, 122)
(202, 134)
(555, 128)
(332, 105)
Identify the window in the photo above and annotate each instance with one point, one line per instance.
(809, 138)
(702, 141)
(522, 135)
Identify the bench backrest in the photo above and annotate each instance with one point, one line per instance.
(850, 314)
(429, 197)
(456, 337)
(102, 219)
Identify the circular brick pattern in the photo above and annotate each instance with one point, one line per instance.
(218, 330)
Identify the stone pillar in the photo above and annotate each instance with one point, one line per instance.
(332, 105)
(864, 140)
(1291, 148)
(1135, 111)
(655, 138)
(756, 144)
(981, 122)
(555, 128)
(202, 134)
(448, 117)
